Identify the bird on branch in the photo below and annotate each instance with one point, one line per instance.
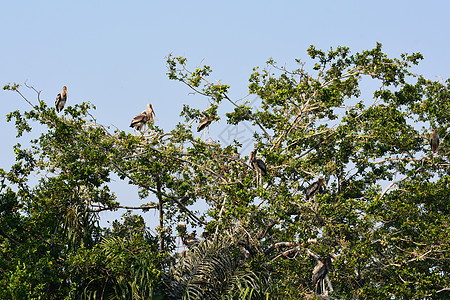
(204, 123)
(140, 120)
(61, 99)
(188, 240)
(258, 163)
(314, 188)
(434, 141)
(320, 272)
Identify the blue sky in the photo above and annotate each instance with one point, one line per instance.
(112, 53)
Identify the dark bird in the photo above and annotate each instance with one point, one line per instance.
(321, 270)
(434, 141)
(257, 163)
(314, 188)
(204, 123)
(190, 240)
(61, 99)
(140, 120)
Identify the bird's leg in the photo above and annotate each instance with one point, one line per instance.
(260, 179)
(204, 135)
(324, 291)
(330, 287)
(257, 177)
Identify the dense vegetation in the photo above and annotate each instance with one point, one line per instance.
(383, 213)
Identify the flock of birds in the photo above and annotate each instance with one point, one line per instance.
(257, 164)
(138, 122)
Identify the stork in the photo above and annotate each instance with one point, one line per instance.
(61, 99)
(188, 240)
(320, 272)
(314, 188)
(434, 141)
(204, 123)
(140, 120)
(259, 165)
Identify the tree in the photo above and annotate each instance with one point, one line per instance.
(383, 212)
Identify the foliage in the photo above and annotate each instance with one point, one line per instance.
(384, 212)
(214, 269)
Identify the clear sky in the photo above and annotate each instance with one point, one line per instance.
(112, 53)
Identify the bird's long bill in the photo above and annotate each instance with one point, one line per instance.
(150, 109)
(324, 183)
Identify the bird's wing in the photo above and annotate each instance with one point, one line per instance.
(311, 189)
(203, 124)
(262, 166)
(142, 117)
(319, 272)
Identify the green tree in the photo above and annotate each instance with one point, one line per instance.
(383, 213)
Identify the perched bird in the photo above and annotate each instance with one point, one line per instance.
(204, 123)
(140, 120)
(321, 270)
(434, 141)
(61, 99)
(314, 188)
(190, 240)
(259, 166)
(257, 163)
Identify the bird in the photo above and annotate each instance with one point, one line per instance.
(314, 188)
(258, 163)
(140, 120)
(61, 99)
(320, 271)
(434, 141)
(204, 123)
(190, 240)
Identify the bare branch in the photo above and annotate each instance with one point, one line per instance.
(103, 208)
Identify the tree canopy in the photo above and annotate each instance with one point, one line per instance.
(378, 226)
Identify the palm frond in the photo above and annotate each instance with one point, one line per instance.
(214, 269)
